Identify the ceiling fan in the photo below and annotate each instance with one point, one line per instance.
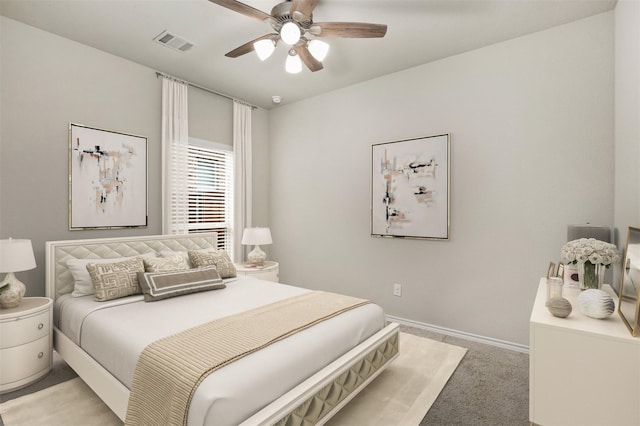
(292, 21)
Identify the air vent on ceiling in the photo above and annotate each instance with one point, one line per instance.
(173, 41)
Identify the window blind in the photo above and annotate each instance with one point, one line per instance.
(210, 188)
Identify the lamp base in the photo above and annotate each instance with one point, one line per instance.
(257, 256)
(11, 291)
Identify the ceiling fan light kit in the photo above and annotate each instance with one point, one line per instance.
(293, 23)
(264, 48)
(319, 49)
(290, 33)
(293, 65)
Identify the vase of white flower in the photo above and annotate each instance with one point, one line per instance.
(593, 257)
(590, 275)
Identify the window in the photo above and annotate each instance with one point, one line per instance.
(210, 187)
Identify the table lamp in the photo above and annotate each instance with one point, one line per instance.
(257, 237)
(15, 256)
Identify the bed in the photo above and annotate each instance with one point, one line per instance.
(303, 378)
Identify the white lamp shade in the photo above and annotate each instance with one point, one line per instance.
(293, 64)
(318, 49)
(290, 33)
(256, 236)
(264, 48)
(16, 255)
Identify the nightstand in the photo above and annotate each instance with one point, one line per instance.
(269, 272)
(25, 343)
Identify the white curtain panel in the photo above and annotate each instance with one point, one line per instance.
(242, 171)
(175, 142)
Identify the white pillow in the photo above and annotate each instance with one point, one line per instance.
(185, 253)
(171, 253)
(166, 264)
(83, 286)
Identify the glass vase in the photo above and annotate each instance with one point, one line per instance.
(590, 275)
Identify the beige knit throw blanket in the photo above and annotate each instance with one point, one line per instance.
(170, 369)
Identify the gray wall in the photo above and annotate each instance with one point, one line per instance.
(48, 81)
(532, 146)
(627, 122)
(210, 117)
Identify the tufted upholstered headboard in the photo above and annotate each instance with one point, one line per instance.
(58, 278)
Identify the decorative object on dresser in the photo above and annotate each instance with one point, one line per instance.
(554, 287)
(629, 302)
(571, 279)
(559, 307)
(575, 232)
(15, 256)
(551, 271)
(256, 237)
(107, 179)
(269, 271)
(595, 303)
(592, 257)
(410, 188)
(25, 347)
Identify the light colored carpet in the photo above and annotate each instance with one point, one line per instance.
(401, 395)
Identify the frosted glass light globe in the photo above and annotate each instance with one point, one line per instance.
(293, 64)
(264, 48)
(318, 49)
(290, 33)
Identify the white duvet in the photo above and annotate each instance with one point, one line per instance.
(115, 333)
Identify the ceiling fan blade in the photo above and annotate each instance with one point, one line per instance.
(348, 29)
(242, 8)
(301, 9)
(248, 47)
(312, 63)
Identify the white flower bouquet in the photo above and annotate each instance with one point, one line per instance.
(589, 249)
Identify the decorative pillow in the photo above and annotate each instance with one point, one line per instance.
(161, 285)
(115, 280)
(83, 286)
(169, 253)
(165, 264)
(218, 258)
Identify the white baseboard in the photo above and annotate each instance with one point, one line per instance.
(461, 334)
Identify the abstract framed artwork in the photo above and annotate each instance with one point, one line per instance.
(107, 179)
(410, 182)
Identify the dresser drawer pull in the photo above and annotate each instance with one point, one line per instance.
(41, 354)
(40, 326)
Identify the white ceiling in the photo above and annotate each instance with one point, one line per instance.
(419, 31)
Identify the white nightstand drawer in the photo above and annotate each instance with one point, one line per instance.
(26, 329)
(21, 362)
(265, 275)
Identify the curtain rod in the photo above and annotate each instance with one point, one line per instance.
(206, 89)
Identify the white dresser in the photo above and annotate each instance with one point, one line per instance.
(270, 271)
(582, 371)
(25, 343)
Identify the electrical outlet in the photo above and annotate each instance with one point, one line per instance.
(397, 290)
